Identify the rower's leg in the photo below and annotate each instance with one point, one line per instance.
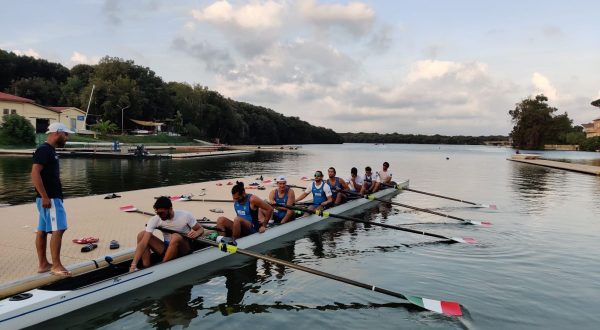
(55, 245)
(177, 247)
(225, 223)
(41, 239)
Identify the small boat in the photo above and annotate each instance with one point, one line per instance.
(67, 295)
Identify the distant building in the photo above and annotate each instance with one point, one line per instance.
(41, 116)
(592, 129)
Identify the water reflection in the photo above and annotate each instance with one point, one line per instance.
(530, 184)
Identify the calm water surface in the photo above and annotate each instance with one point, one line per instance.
(537, 267)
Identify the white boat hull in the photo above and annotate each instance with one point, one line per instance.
(44, 305)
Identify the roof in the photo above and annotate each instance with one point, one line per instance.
(61, 109)
(14, 98)
(146, 123)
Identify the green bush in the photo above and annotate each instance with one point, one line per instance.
(590, 144)
(17, 131)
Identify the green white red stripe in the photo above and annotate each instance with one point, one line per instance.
(450, 308)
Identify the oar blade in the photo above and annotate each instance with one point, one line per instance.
(449, 308)
(128, 208)
(479, 223)
(467, 240)
(181, 198)
(488, 206)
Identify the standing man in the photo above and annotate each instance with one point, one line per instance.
(321, 193)
(282, 195)
(45, 176)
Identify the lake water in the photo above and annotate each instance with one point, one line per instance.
(536, 267)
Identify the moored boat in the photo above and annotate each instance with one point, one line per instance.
(50, 301)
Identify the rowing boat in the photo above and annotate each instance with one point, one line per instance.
(52, 300)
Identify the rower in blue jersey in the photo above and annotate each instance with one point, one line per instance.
(336, 185)
(320, 191)
(284, 195)
(252, 214)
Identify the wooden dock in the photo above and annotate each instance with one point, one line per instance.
(581, 168)
(66, 153)
(102, 218)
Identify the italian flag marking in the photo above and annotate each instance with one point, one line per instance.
(443, 307)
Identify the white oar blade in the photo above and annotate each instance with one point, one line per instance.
(488, 206)
(182, 198)
(449, 308)
(479, 223)
(128, 208)
(467, 240)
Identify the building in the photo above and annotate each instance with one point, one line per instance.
(41, 116)
(592, 129)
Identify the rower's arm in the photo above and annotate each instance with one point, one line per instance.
(290, 201)
(259, 203)
(301, 197)
(196, 231)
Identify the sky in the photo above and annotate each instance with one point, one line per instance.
(453, 67)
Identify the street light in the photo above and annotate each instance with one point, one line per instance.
(123, 109)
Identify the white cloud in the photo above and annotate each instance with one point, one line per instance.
(79, 58)
(28, 52)
(355, 17)
(256, 15)
(542, 85)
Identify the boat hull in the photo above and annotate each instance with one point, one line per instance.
(46, 304)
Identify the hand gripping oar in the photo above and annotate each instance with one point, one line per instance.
(472, 222)
(327, 214)
(449, 308)
(491, 206)
(133, 209)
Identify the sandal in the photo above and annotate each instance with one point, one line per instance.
(114, 245)
(89, 247)
(86, 240)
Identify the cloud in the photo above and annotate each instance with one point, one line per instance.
(112, 9)
(79, 58)
(216, 60)
(542, 85)
(356, 17)
(552, 31)
(254, 16)
(28, 52)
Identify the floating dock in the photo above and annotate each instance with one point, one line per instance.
(581, 168)
(98, 217)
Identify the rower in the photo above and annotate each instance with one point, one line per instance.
(336, 184)
(282, 195)
(384, 176)
(320, 191)
(354, 181)
(175, 244)
(369, 182)
(252, 214)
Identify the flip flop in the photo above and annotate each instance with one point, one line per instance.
(114, 244)
(62, 273)
(111, 196)
(86, 240)
(217, 210)
(89, 247)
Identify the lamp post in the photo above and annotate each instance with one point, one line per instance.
(122, 122)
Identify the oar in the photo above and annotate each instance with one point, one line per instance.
(133, 209)
(491, 206)
(449, 308)
(472, 222)
(327, 214)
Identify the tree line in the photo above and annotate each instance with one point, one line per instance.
(418, 138)
(191, 110)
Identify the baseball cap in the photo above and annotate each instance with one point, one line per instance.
(58, 127)
(281, 178)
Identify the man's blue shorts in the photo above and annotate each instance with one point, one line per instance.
(52, 219)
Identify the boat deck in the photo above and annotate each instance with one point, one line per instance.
(102, 218)
(581, 168)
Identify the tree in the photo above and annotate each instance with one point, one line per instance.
(105, 127)
(17, 130)
(531, 117)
